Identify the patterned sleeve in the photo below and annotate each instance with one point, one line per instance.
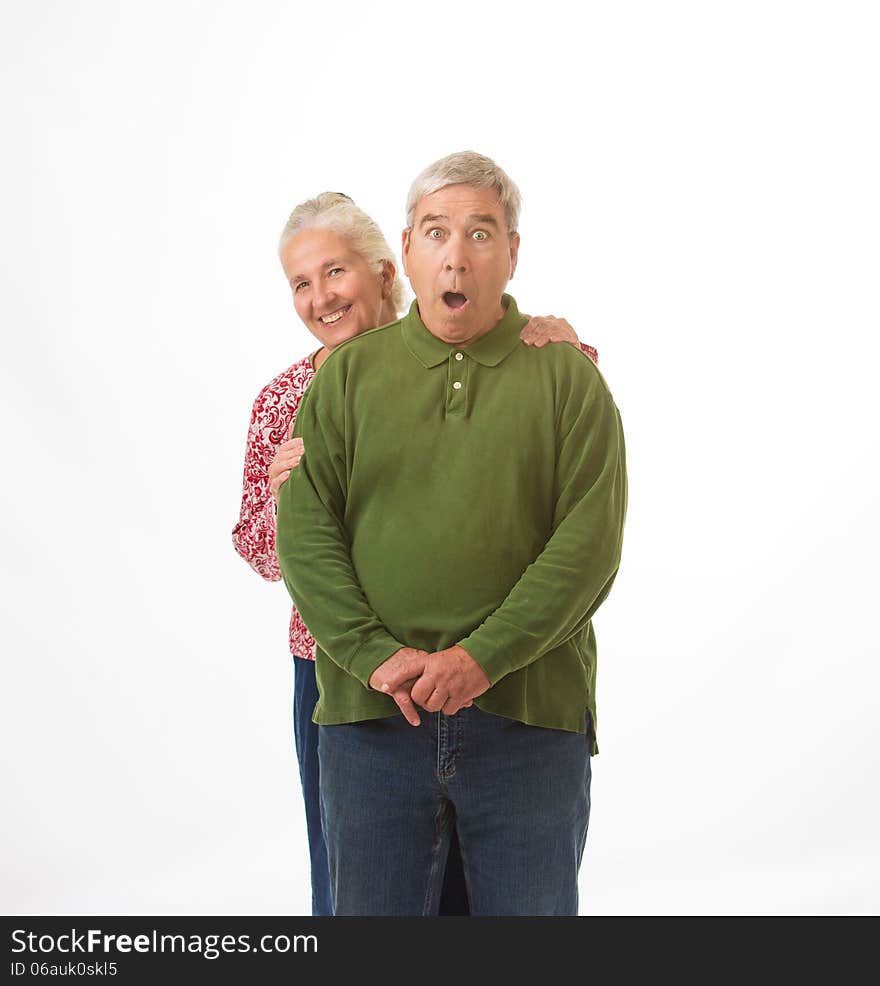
(275, 407)
(591, 351)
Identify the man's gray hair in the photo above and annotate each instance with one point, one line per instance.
(466, 168)
(337, 212)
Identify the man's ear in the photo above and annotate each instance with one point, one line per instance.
(388, 272)
(514, 252)
(404, 247)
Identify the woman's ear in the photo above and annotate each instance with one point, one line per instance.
(388, 272)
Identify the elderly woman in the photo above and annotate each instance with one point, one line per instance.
(344, 282)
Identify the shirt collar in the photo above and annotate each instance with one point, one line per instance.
(488, 350)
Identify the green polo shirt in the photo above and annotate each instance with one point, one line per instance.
(448, 495)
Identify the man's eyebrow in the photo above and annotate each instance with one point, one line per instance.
(475, 217)
(430, 218)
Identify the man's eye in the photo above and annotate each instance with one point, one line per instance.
(435, 233)
(481, 234)
(301, 284)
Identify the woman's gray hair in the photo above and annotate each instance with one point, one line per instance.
(466, 168)
(335, 211)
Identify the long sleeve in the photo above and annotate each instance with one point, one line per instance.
(590, 351)
(254, 535)
(559, 592)
(313, 545)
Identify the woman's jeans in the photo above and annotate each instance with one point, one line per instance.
(305, 732)
(391, 795)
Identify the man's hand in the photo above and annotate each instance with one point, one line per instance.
(396, 676)
(541, 329)
(451, 680)
(286, 459)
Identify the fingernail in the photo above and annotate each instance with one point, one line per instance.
(385, 687)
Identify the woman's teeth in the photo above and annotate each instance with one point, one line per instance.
(334, 317)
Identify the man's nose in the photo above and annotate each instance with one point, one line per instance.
(456, 256)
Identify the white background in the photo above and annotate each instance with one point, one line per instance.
(701, 202)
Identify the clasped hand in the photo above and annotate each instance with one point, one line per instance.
(445, 681)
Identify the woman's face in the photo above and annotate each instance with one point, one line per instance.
(335, 293)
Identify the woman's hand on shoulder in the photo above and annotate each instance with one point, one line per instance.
(541, 329)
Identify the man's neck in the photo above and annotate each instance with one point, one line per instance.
(462, 343)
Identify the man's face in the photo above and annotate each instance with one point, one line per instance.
(459, 256)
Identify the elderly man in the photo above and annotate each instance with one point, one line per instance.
(455, 523)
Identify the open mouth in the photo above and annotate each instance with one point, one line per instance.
(335, 316)
(454, 300)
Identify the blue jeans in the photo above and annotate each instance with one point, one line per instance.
(518, 797)
(453, 900)
(305, 733)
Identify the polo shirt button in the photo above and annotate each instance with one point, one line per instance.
(456, 386)
(459, 356)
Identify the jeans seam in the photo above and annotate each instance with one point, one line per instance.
(446, 766)
(439, 744)
(439, 830)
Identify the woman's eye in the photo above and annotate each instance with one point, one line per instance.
(335, 271)
(435, 234)
(480, 234)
